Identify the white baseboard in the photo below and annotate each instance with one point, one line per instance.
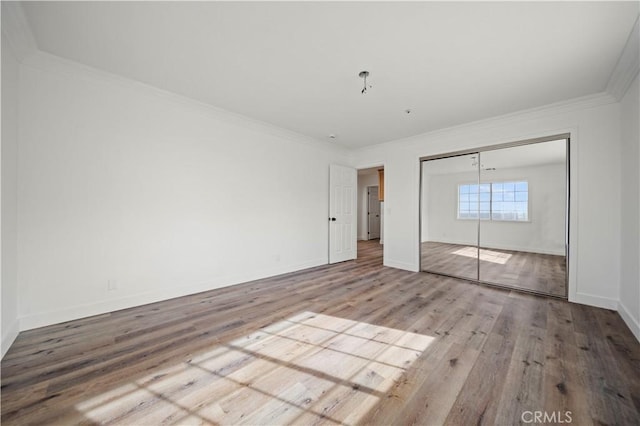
(632, 323)
(526, 249)
(449, 241)
(592, 300)
(42, 319)
(401, 265)
(9, 337)
(503, 247)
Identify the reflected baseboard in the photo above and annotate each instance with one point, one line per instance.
(499, 286)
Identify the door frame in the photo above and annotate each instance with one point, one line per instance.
(567, 137)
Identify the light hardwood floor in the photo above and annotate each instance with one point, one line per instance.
(543, 273)
(352, 343)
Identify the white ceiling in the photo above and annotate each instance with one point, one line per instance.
(296, 64)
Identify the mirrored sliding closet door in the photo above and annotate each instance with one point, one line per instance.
(451, 200)
(523, 241)
(499, 215)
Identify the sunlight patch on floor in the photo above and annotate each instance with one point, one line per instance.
(307, 368)
(485, 254)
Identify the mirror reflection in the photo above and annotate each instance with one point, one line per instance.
(522, 240)
(450, 216)
(498, 216)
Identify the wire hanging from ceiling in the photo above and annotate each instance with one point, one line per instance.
(364, 75)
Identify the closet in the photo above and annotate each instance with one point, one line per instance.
(498, 215)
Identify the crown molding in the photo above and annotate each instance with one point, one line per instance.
(15, 29)
(570, 105)
(628, 65)
(51, 63)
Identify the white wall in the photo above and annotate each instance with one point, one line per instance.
(595, 158)
(630, 211)
(10, 77)
(158, 195)
(366, 178)
(543, 233)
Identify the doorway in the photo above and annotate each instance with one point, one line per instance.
(371, 214)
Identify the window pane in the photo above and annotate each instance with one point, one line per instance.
(506, 201)
(521, 206)
(466, 209)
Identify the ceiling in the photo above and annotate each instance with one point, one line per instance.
(536, 154)
(296, 64)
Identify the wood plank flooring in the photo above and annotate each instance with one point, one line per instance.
(352, 343)
(543, 273)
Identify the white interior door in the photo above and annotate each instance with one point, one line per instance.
(373, 213)
(342, 213)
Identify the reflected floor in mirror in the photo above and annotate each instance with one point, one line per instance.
(543, 273)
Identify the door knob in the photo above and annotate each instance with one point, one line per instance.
(332, 219)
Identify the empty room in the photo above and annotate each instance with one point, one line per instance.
(272, 213)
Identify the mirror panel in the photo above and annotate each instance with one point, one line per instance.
(523, 225)
(451, 198)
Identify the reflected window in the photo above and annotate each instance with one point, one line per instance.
(474, 201)
(510, 201)
(499, 201)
